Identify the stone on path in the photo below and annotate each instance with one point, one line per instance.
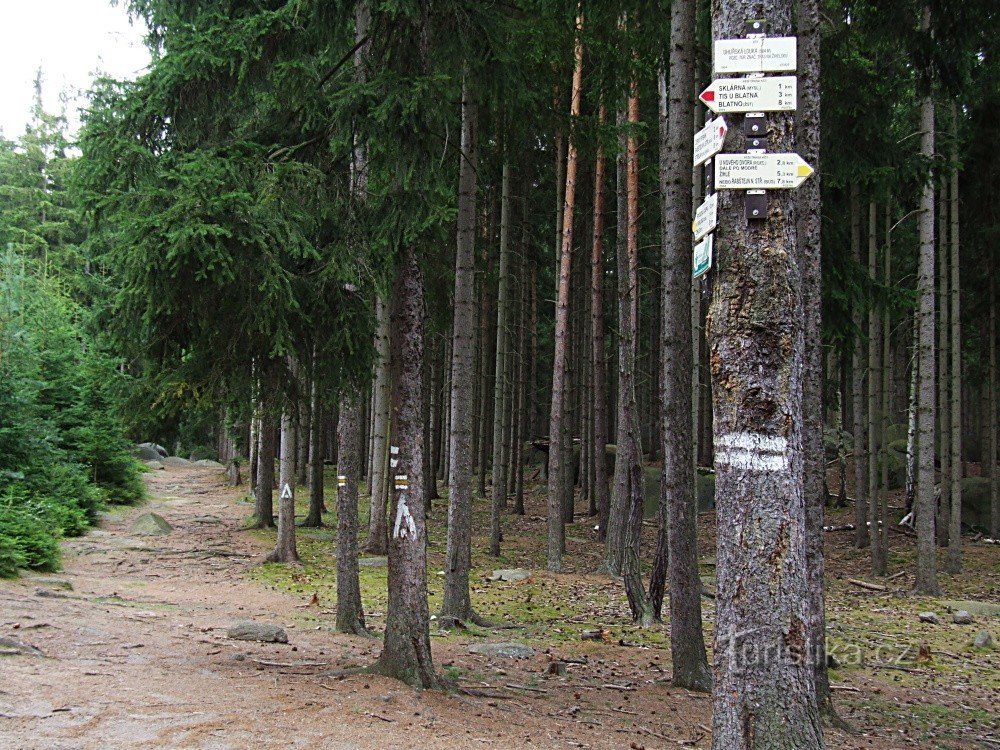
(930, 617)
(175, 461)
(983, 640)
(503, 650)
(14, 647)
(962, 617)
(155, 465)
(209, 463)
(248, 630)
(513, 574)
(150, 524)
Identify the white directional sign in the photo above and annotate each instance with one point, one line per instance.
(286, 492)
(760, 171)
(776, 94)
(706, 217)
(702, 257)
(757, 55)
(708, 141)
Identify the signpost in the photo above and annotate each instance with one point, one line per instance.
(702, 257)
(776, 94)
(772, 54)
(706, 217)
(760, 171)
(708, 141)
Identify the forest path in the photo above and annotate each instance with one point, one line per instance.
(136, 653)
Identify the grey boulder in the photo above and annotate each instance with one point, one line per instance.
(513, 574)
(983, 640)
(962, 617)
(150, 524)
(247, 630)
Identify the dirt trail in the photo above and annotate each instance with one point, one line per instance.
(135, 655)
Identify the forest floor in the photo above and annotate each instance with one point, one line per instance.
(134, 650)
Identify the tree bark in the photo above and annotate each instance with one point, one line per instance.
(678, 501)
(764, 693)
(614, 543)
(457, 604)
(377, 522)
(881, 566)
(599, 395)
(861, 457)
(316, 504)
(263, 497)
(285, 550)
(954, 560)
(500, 419)
(557, 459)
(943, 380)
(406, 652)
(808, 206)
(991, 454)
(926, 578)
(628, 465)
(350, 612)
(878, 451)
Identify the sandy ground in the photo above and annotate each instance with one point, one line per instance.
(135, 655)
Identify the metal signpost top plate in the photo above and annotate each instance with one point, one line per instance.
(776, 94)
(771, 54)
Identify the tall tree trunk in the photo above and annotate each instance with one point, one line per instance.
(406, 652)
(457, 605)
(881, 566)
(614, 543)
(303, 430)
(350, 612)
(878, 451)
(943, 381)
(926, 580)
(379, 488)
(485, 369)
(285, 550)
(315, 515)
(911, 417)
(767, 700)
(599, 394)
(808, 207)
(499, 488)
(628, 480)
(861, 457)
(954, 563)
(263, 498)
(991, 453)
(678, 500)
(557, 459)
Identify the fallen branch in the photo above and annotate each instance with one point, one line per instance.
(514, 686)
(266, 663)
(866, 585)
(845, 688)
